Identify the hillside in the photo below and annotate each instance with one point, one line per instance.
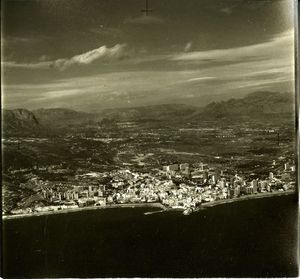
(258, 106)
(254, 104)
(14, 121)
(165, 112)
(60, 117)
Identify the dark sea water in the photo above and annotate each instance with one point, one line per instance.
(243, 239)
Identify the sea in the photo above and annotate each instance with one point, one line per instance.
(250, 238)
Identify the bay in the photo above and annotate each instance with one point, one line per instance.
(251, 238)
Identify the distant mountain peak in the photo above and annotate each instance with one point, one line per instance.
(257, 103)
(16, 120)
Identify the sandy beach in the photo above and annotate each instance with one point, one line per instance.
(127, 205)
(247, 197)
(158, 205)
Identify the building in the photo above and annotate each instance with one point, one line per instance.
(249, 190)
(254, 184)
(213, 179)
(205, 175)
(203, 167)
(100, 193)
(234, 192)
(222, 183)
(101, 202)
(173, 167)
(293, 168)
(184, 167)
(286, 176)
(286, 166)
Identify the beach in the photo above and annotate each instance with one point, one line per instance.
(248, 197)
(154, 205)
(127, 205)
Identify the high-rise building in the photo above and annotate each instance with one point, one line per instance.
(201, 167)
(171, 168)
(293, 168)
(286, 176)
(183, 167)
(222, 183)
(213, 179)
(249, 190)
(100, 193)
(44, 194)
(286, 166)
(235, 183)
(231, 180)
(68, 196)
(217, 173)
(254, 184)
(234, 192)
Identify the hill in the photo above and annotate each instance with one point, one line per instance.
(258, 103)
(14, 121)
(165, 112)
(61, 117)
(258, 106)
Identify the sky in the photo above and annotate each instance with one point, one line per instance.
(90, 55)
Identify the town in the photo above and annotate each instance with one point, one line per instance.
(176, 186)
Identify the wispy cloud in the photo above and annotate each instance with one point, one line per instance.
(107, 31)
(226, 10)
(196, 77)
(265, 65)
(110, 89)
(33, 65)
(32, 38)
(200, 79)
(144, 20)
(276, 46)
(102, 53)
(188, 47)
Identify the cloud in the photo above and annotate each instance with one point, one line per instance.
(144, 20)
(44, 58)
(35, 65)
(226, 10)
(104, 90)
(118, 89)
(107, 31)
(23, 40)
(203, 76)
(278, 45)
(102, 53)
(200, 79)
(188, 47)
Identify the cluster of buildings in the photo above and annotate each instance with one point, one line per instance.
(80, 196)
(175, 186)
(213, 184)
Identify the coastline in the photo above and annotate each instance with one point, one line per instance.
(124, 205)
(247, 197)
(155, 205)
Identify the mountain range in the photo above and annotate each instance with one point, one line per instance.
(255, 105)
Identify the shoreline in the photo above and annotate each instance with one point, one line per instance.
(162, 207)
(124, 205)
(247, 197)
